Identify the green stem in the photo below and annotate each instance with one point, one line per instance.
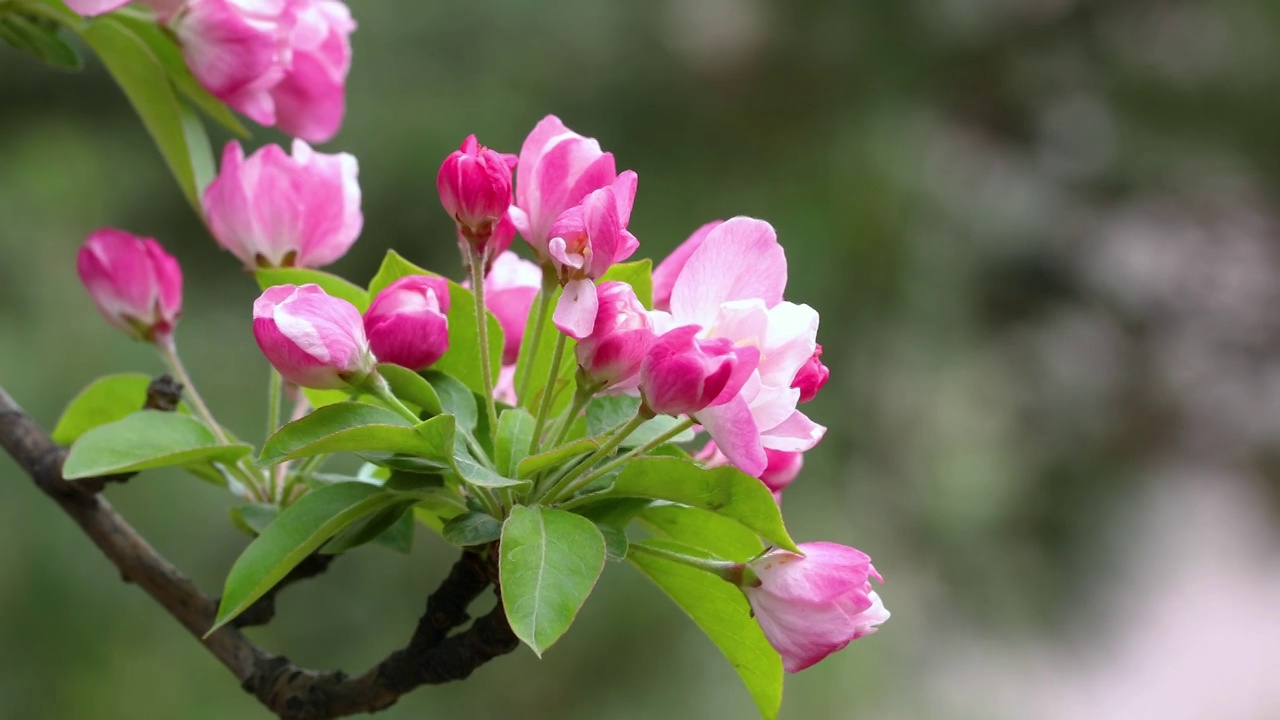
(548, 394)
(274, 402)
(377, 386)
(549, 283)
(580, 400)
(570, 488)
(735, 573)
(564, 486)
(482, 333)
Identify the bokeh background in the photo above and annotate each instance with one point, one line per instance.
(1044, 237)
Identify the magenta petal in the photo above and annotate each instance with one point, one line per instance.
(575, 313)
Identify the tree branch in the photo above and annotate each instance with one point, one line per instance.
(291, 692)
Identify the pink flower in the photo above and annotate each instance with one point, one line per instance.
(682, 374)
(622, 335)
(90, 8)
(731, 287)
(781, 469)
(504, 390)
(408, 322)
(664, 276)
(557, 168)
(314, 340)
(136, 285)
(475, 189)
(509, 290)
(814, 604)
(273, 210)
(277, 61)
(586, 240)
(811, 376)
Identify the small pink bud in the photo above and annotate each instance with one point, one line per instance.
(509, 290)
(313, 339)
(814, 604)
(475, 189)
(408, 322)
(683, 374)
(135, 284)
(811, 376)
(611, 355)
(276, 210)
(664, 276)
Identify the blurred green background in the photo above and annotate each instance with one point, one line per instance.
(1044, 237)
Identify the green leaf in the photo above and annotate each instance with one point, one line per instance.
(300, 529)
(343, 427)
(411, 387)
(104, 400)
(705, 530)
(399, 536)
(638, 274)
(203, 167)
(167, 51)
(445, 444)
(724, 490)
(456, 398)
(722, 612)
(475, 473)
(332, 284)
(539, 368)
(320, 398)
(606, 412)
(145, 82)
(613, 511)
(549, 562)
(615, 541)
(462, 360)
(372, 527)
(253, 518)
(473, 528)
(144, 440)
(515, 432)
(41, 40)
(556, 456)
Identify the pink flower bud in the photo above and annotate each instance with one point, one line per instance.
(811, 376)
(612, 353)
(557, 168)
(313, 339)
(135, 284)
(682, 374)
(814, 604)
(277, 61)
(509, 290)
(408, 322)
(273, 210)
(475, 189)
(664, 276)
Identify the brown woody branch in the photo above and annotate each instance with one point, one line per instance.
(432, 656)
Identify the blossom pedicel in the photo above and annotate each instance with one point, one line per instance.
(136, 285)
(313, 339)
(277, 210)
(408, 322)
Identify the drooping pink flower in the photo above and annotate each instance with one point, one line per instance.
(280, 62)
(474, 183)
(586, 240)
(557, 168)
(313, 339)
(781, 467)
(273, 210)
(509, 291)
(311, 99)
(683, 374)
(811, 376)
(136, 285)
(620, 339)
(814, 604)
(664, 276)
(731, 287)
(91, 8)
(408, 324)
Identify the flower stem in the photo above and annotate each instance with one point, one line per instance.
(548, 394)
(482, 333)
(539, 322)
(730, 571)
(169, 352)
(580, 400)
(569, 489)
(377, 386)
(565, 485)
(274, 402)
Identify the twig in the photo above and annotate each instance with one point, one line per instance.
(291, 692)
